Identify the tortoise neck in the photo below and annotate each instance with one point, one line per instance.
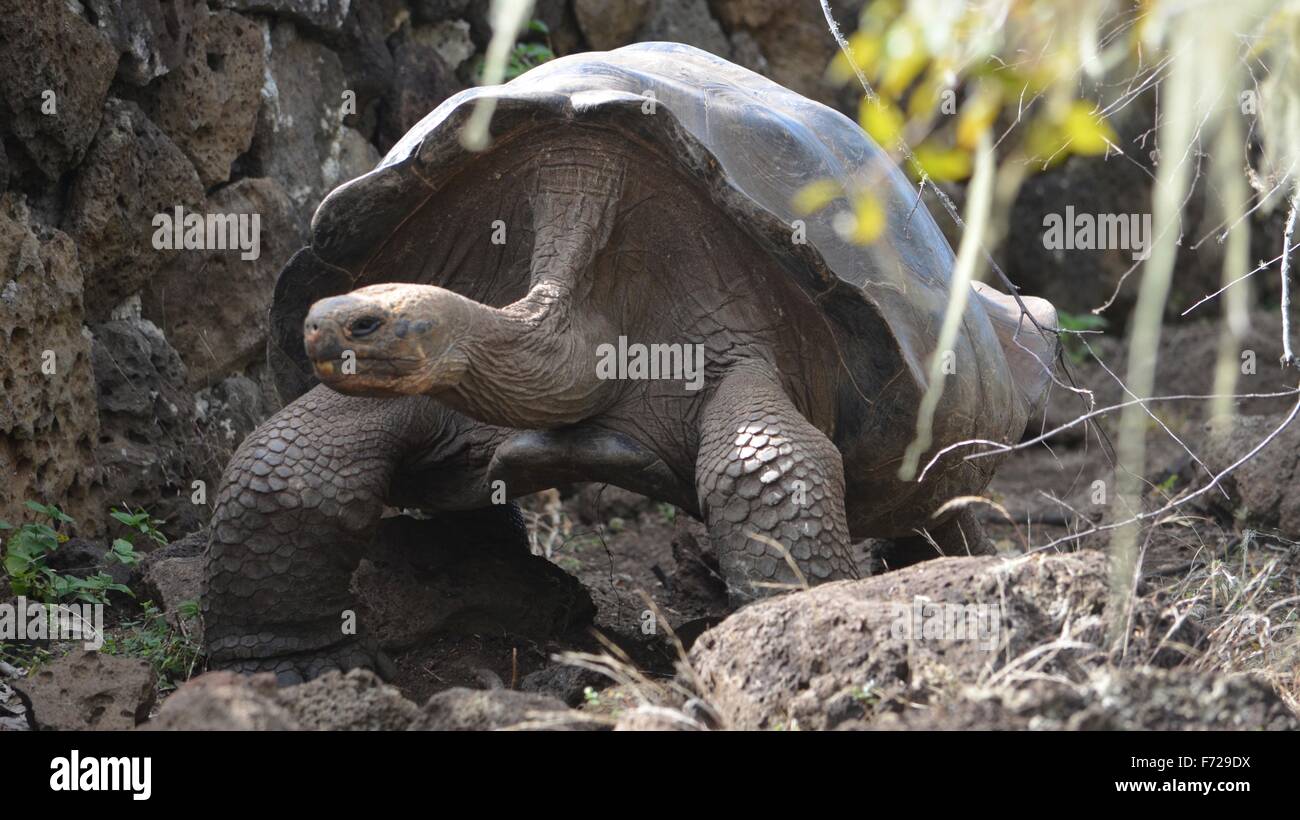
(528, 365)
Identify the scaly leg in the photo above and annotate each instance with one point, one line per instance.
(298, 505)
(771, 490)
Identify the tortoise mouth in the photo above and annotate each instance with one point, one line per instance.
(368, 367)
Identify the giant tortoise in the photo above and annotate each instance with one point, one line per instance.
(489, 324)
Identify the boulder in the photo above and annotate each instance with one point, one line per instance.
(319, 14)
(450, 40)
(46, 49)
(362, 46)
(306, 84)
(89, 690)
(355, 701)
(173, 575)
(146, 419)
(608, 25)
(150, 35)
(224, 701)
(208, 105)
(131, 173)
(171, 582)
(817, 658)
(1261, 492)
(1078, 280)
(214, 305)
(792, 39)
(49, 425)
(685, 21)
(469, 710)
(422, 77)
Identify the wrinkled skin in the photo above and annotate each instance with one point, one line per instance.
(787, 450)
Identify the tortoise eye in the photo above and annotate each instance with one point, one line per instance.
(364, 326)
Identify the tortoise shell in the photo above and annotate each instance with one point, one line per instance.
(751, 145)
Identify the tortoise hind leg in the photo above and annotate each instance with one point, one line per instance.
(771, 490)
(298, 506)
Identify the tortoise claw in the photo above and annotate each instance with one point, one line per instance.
(300, 667)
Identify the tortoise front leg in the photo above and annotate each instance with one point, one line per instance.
(298, 505)
(771, 490)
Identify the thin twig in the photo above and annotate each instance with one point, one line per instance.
(1288, 358)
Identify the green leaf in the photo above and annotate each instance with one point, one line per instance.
(16, 564)
(1080, 321)
(124, 552)
(50, 511)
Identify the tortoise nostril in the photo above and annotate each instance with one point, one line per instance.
(364, 326)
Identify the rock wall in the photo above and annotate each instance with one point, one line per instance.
(129, 370)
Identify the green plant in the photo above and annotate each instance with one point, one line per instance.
(25, 656)
(167, 647)
(142, 522)
(1080, 323)
(92, 589)
(123, 549)
(867, 694)
(25, 559)
(526, 55)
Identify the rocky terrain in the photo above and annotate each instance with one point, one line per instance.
(129, 373)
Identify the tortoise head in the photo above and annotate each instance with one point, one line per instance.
(389, 340)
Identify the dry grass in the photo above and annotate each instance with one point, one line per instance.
(1247, 602)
